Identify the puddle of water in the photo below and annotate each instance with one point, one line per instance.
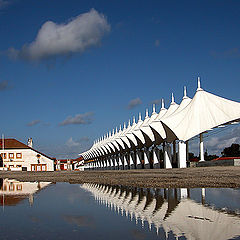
(32, 210)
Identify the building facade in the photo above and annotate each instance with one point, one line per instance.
(17, 156)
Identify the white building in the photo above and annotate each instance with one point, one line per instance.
(17, 156)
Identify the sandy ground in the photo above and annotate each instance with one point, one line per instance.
(161, 178)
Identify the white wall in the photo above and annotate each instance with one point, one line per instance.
(29, 157)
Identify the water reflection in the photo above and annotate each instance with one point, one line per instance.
(173, 210)
(13, 192)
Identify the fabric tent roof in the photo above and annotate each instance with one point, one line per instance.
(204, 112)
(157, 124)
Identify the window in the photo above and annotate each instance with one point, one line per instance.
(11, 155)
(19, 187)
(4, 155)
(19, 155)
(19, 166)
(11, 187)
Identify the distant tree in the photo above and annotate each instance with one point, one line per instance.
(233, 151)
(209, 157)
(191, 156)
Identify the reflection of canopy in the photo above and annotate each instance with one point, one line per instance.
(204, 112)
(184, 217)
(199, 222)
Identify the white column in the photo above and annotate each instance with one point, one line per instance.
(203, 195)
(182, 155)
(108, 165)
(125, 163)
(110, 162)
(119, 163)
(104, 163)
(201, 150)
(138, 161)
(167, 156)
(183, 193)
(146, 160)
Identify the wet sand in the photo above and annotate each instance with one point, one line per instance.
(162, 178)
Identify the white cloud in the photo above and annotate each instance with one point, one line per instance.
(75, 36)
(134, 103)
(85, 118)
(71, 143)
(33, 123)
(216, 144)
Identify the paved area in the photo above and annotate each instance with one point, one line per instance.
(162, 178)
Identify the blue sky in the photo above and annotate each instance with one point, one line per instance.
(66, 94)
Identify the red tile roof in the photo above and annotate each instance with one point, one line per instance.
(11, 143)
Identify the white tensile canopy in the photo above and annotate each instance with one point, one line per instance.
(205, 112)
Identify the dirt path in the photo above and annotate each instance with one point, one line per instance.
(162, 178)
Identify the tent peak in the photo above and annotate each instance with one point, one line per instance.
(146, 113)
(185, 93)
(140, 118)
(154, 110)
(199, 85)
(134, 119)
(162, 104)
(173, 100)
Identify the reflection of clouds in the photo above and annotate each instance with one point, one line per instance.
(168, 209)
(80, 221)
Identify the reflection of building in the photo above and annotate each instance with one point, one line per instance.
(169, 209)
(18, 156)
(12, 192)
(69, 164)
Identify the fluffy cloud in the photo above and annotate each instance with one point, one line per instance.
(216, 144)
(33, 123)
(75, 36)
(71, 143)
(134, 103)
(85, 118)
